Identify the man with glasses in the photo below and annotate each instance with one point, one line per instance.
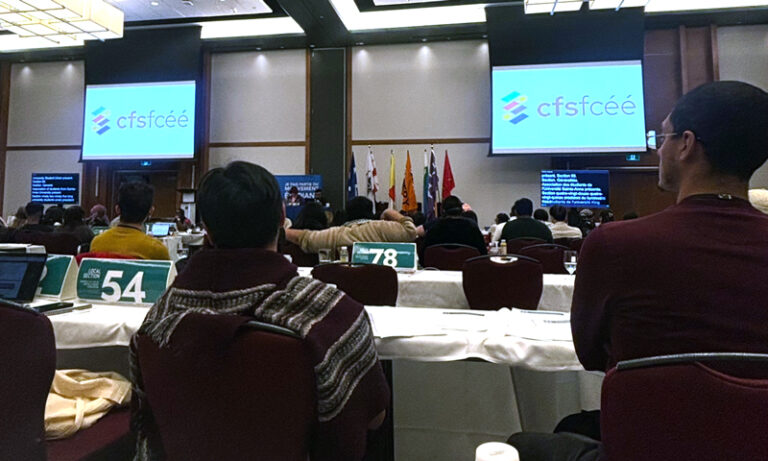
(691, 278)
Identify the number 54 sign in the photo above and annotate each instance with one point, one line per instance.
(123, 281)
(397, 255)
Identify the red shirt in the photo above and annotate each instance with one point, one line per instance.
(693, 278)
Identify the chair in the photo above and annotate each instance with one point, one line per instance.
(448, 256)
(549, 255)
(515, 245)
(368, 284)
(226, 389)
(54, 242)
(564, 241)
(27, 361)
(107, 440)
(678, 408)
(493, 282)
(298, 256)
(101, 255)
(575, 244)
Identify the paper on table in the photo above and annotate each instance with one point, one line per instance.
(539, 325)
(393, 322)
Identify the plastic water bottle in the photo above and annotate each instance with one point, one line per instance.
(343, 255)
(503, 250)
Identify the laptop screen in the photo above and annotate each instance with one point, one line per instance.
(20, 274)
(160, 229)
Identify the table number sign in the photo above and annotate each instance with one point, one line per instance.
(112, 281)
(59, 277)
(401, 256)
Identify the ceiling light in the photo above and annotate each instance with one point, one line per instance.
(249, 27)
(551, 6)
(11, 43)
(354, 20)
(154, 3)
(615, 4)
(657, 6)
(61, 21)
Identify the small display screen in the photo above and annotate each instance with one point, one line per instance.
(575, 188)
(56, 188)
(160, 229)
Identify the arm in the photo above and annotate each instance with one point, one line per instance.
(391, 215)
(313, 241)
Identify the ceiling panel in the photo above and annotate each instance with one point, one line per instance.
(158, 10)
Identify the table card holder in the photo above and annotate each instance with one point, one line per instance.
(59, 278)
(123, 281)
(400, 256)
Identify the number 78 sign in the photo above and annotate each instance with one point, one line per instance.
(113, 281)
(397, 255)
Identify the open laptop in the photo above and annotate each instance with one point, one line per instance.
(20, 275)
(160, 229)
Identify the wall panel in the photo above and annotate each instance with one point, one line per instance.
(20, 165)
(278, 160)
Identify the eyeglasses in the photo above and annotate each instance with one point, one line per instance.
(654, 140)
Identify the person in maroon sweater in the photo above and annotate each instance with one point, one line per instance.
(690, 278)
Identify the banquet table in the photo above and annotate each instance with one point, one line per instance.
(443, 289)
(444, 405)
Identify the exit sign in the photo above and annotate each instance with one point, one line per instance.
(633, 157)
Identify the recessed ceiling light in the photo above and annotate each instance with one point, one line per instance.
(424, 39)
(154, 3)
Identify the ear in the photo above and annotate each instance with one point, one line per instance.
(117, 210)
(151, 211)
(689, 146)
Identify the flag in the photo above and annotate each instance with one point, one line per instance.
(352, 181)
(372, 178)
(392, 179)
(425, 183)
(448, 183)
(409, 193)
(432, 189)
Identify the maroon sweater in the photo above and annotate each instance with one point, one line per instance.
(693, 278)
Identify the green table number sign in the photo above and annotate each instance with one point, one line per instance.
(401, 256)
(59, 277)
(111, 281)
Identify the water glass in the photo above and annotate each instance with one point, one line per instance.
(569, 261)
(324, 255)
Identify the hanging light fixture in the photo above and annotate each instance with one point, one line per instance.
(615, 4)
(551, 6)
(62, 21)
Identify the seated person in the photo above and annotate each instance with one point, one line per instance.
(182, 222)
(53, 216)
(34, 217)
(524, 226)
(74, 223)
(498, 226)
(540, 214)
(690, 278)
(560, 228)
(242, 209)
(360, 227)
(134, 205)
(312, 217)
(98, 217)
(452, 227)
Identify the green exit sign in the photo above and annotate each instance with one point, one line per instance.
(633, 157)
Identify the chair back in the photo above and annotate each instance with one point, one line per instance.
(515, 245)
(448, 256)
(59, 243)
(298, 256)
(27, 361)
(575, 244)
(493, 282)
(227, 389)
(684, 410)
(564, 241)
(101, 255)
(549, 255)
(367, 284)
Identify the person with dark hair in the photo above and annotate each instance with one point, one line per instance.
(74, 223)
(18, 219)
(629, 215)
(360, 227)
(311, 217)
(98, 216)
(541, 215)
(242, 209)
(294, 198)
(181, 221)
(560, 228)
(454, 228)
(690, 278)
(586, 221)
(498, 226)
(53, 216)
(134, 205)
(35, 222)
(605, 216)
(524, 226)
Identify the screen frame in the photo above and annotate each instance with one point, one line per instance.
(196, 124)
(575, 150)
(606, 172)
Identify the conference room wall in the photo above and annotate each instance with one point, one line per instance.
(436, 91)
(45, 109)
(743, 53)
(278, 159)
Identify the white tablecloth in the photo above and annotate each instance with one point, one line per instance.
(443, 289)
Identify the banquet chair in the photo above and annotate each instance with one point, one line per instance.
(493, 282)
(514, 245)
(575, 244)
(227, 388)
(564, 241)
(59, 243)
(101, 255)
(549, 255)
(298, 256)
(686, 407)
(27, 361)
(448, 256)
(368, 284)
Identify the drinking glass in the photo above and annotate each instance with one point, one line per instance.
(569, 261)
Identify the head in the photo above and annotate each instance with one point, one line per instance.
(319, 195)
(21, 213)
(241, 206)
(452, 206)
(471, 215)
(359, 208)
(502, 218)
(717, 132)
(419, 219)
(294, 190)
(606, 216)
(134, 202)
(98, 211)
(74, 216)
(523, 208)
(54, 215)
(180, 214)
(558, 213)
(34, 212)
(312, 216)
(541, 215)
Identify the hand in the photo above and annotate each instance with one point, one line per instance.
(466, 207)
(391, 215)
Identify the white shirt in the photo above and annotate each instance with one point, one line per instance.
(561, 229)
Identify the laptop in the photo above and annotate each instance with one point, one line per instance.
(160, 229)
(20, 275)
